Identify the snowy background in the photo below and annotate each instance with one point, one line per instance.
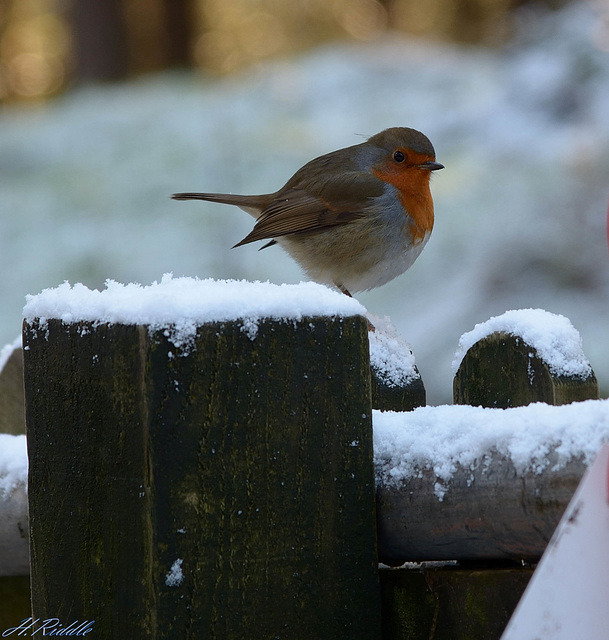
(520, 208)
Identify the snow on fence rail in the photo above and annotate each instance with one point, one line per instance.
(180, 441)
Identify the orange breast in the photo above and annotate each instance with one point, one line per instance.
(415, 196)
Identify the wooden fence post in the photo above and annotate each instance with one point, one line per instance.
(405, 396)
(12, 404)
(226, 492)
(395, 380)
(503, 370)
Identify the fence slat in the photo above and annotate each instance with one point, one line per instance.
(392, 397)
(12, 403)
(504, 371)
(227, 493)
(395, 379)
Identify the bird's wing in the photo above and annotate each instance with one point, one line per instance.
(298, 211)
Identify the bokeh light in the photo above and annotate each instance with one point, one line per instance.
(34, 50)
(38, 37)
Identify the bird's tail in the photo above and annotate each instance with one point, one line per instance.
(251, 204)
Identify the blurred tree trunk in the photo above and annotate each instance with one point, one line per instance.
(389, 6)
(178, 28)
(101, 51)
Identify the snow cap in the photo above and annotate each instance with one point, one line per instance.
(553, 336)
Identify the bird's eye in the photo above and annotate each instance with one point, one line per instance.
(398, 156)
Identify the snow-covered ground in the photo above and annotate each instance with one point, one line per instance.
(520, 207)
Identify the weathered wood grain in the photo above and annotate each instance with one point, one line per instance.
(491, 513)
(450, 603)
(245, 466)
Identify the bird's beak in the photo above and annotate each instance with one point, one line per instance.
(431, 166)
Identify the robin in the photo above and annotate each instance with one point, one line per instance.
(355, 218)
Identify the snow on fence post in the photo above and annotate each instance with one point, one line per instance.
(523, 356)
(221, 487)
(395, 380)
